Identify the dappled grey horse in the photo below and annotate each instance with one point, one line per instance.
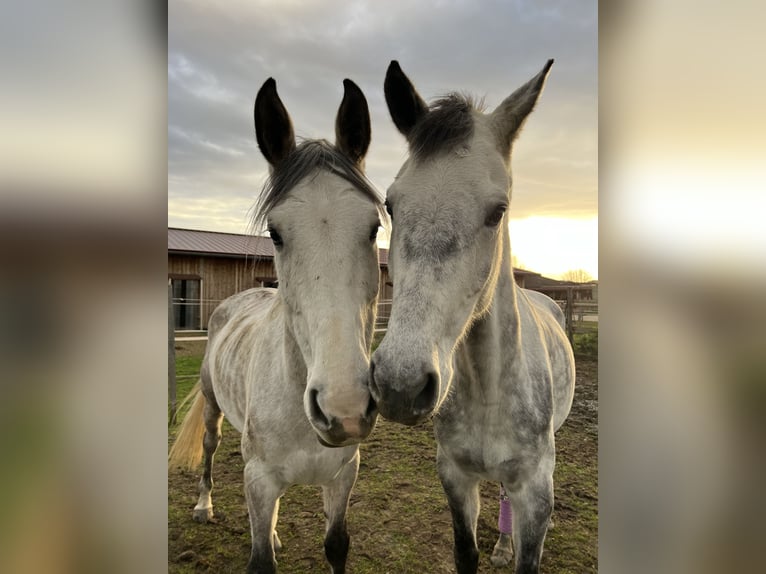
(489, 359)
(289, 367)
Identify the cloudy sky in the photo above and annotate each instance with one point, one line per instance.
(219, 56)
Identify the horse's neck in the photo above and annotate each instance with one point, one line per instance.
(497, 332)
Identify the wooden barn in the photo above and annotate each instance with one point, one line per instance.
(206, 267)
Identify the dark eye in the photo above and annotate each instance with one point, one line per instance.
(388, 209)
(495, 216)
(374, 233)
(275, 237)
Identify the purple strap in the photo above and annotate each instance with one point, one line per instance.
(504, 520)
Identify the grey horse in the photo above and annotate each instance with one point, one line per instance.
(288, 367)
(490, 360)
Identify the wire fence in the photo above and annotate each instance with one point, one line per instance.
(381, 320)
(581, 314)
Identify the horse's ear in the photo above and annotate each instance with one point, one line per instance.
(509, 116)
(404, 103)
(352, 126)
(273, 128)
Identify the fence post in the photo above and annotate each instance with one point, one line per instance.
(570, 315)
(171, 356)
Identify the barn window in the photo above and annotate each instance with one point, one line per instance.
(186, 303)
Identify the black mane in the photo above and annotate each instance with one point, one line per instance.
(447, 125)
(310, 156)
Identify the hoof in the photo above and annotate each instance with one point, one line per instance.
(203, 515)
(277, 542)
(502, 554)
(501, 558)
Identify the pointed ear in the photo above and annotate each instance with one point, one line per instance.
(273, 128)
(404, 103)
(352, 126)
(509, 116)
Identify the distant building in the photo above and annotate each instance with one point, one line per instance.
(557, 290)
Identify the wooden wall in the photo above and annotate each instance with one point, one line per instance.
(220, 277)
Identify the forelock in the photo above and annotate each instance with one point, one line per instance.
(309, 157)
(448, 125)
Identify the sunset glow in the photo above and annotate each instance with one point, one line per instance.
(552, 245)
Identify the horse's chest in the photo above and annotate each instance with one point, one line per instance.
(316, 467)
(487, 445)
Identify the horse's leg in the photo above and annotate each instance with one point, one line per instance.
(213, 418)
(262, 491)
(462, 493)
(532, 502)
(336, 496)
(502, 553)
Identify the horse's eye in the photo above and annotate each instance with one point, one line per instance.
(275, 237)
(495, 216)
(374, 233)
(390, 212)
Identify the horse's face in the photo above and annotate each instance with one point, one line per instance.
(327, 264)
(449, 216)
(446, 246)
(324, 231)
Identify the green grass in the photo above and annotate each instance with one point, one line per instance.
(586, 344)
(188, 356)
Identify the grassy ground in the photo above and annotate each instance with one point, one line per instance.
(398, 520)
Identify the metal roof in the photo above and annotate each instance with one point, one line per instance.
(216, 243)
(228, 244)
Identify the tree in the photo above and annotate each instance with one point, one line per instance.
(576, 276)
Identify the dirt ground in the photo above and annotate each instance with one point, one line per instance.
(398, 518)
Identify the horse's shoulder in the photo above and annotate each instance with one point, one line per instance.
(541, 315)
(542, 304)
(537, 310)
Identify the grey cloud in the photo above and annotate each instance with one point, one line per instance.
(220, 55)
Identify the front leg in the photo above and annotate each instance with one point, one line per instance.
(462, 492)
(336, 496)
(262, 491)
(532, 502)
(502, 553)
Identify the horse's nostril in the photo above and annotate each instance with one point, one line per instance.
(426, 399)
(371, 407)
(317, 415)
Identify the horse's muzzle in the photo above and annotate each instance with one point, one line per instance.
(336, 432)
(341, 435)
(408, 400)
